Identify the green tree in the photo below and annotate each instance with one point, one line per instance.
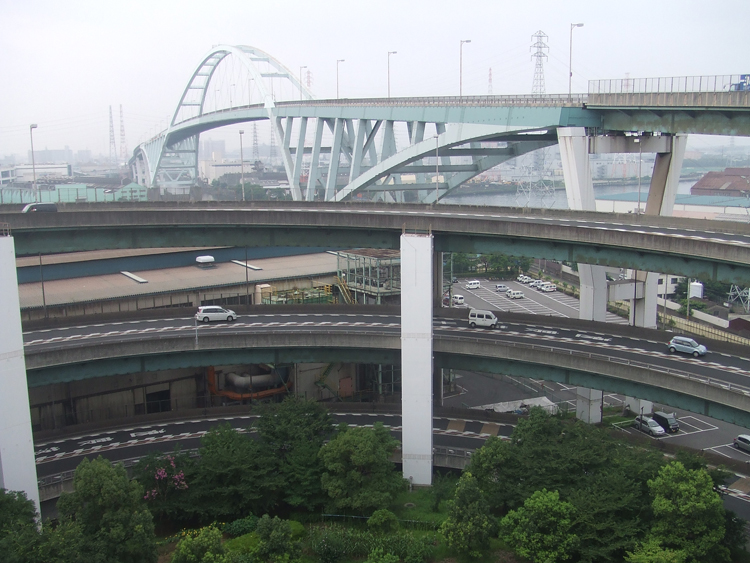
(652, 552)
(165, 479)
(111, 513)
(233, 478)
(541, 529)
(359, 474)
(291, 434)
(19, 538)
(463, 263)
(205, 547)
(499, 264)
(276, 543)
(469, 525)
(383, 521)
(688, 513)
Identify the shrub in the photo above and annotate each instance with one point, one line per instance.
(377, 556)
(243, 544)
(241, 527)
(383, 521)
(192, 549)
(298, 530)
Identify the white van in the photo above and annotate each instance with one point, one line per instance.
(547, 287)
(458, 299)
(473, 284)
(482, 318)
(536, 283)
(514, 294)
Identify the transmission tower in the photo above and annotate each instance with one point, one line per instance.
(538, 49)
(112, 146)
(256, 150)
(489, 83)
(123, 142)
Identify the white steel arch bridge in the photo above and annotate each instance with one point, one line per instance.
(338, 149)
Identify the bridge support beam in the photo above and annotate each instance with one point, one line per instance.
(17, 465)
(416, 357)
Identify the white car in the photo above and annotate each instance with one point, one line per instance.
(523, 279)
(215, 313)
(501, 287)
(535, 283)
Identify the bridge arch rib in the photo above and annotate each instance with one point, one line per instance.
(171, 158)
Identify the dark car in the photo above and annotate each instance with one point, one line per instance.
(668, 421)
(37, 207)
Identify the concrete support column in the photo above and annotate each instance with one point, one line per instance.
(437, 280)
(17, 465)
(416, 357)
(589, 405)
(644, 312)
(593, 301)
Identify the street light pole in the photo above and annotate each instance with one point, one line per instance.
(389, 70)
(33, 163)
(300, 82)
(337, 76)
(461, 67)
(242, 167)
(570, 61)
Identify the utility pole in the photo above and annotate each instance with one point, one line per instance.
(33, 163)
(242, 167)
(389, 70)
(570, 61)
(461, 67)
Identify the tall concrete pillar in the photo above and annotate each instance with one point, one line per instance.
(662, 193)
(437, 279)
(17, 465)
(416, 357)
(579, 188)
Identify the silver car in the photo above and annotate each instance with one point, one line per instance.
(742, 442)
(215, 313)
(648, 425)
(687, 346)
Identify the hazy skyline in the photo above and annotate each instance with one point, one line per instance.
(64, 63)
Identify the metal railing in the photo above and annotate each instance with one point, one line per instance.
(671, 85)
(5, 229)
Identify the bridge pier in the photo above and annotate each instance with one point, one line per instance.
(416, 357)
(17, 465)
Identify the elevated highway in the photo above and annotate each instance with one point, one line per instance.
(623, 360)
(690, 247)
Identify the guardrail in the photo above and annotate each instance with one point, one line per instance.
(5, 229)
(671, 85)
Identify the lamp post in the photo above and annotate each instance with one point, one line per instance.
(242, 167)
(300, 82)
(437, 167)
(461, 67)
(337, 76)
(33, 164)
(570, 61)
(389, 70)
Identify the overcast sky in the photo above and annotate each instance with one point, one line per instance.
(63, 63)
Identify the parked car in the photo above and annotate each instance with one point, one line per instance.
(535, 283)
(648, 425)
(215, 313)
(667, 420)
(523, 278)
(501, 287)
(458, 299)
(514, 294)
(742, 442)
(548, 287)
(454, 280)
(473, 284)
(687, 346)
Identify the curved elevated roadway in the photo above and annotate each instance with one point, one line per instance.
(616, 359)
(691, 247)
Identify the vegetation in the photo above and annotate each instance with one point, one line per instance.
(497, 265)
(558, 490)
